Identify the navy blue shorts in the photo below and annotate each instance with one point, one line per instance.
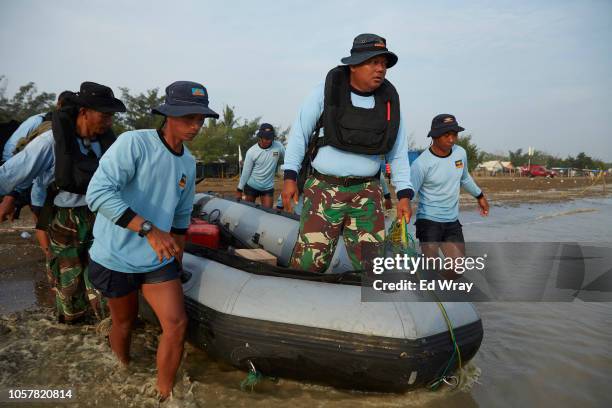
(113, 284)
(432, 231)
(250, 191)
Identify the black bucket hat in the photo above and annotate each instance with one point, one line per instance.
(266, 131)
(442, 124)
(97, 97)
(366, 46)
(185, 98)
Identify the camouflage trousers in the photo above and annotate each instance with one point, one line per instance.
(71, 236)
(329, 210)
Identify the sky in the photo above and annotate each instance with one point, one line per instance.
(514, 73)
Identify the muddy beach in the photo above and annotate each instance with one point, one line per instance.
(503, 190)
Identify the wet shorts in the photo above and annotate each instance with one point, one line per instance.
(432, 231)
(250, 191)
(113, 284)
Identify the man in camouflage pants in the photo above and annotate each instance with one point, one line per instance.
(71, 237)
(358, 112)
(62, 160)
(330, 210)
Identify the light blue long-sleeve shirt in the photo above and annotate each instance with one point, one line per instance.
(39, 192)
(38, 195)
(36, 164)
(437, 181)
(22, 131)
(260, 166)
(340, 163)
(141, 173)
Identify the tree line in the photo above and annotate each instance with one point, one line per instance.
(219, 138)
(520, 158)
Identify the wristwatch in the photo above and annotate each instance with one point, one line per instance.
(145, 228)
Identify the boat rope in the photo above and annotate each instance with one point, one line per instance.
(253, 378)
(398, 234)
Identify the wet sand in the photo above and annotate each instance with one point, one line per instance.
(499, 190)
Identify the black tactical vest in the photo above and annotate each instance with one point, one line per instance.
(73, 169)
(358, 130)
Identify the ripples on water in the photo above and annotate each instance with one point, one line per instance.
(34, 350)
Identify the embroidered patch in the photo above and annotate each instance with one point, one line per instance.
(197, 92)
(449, 119)
(274, 153)
(459, 164)
(183, 181)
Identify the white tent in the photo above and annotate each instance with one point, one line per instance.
(493, 166)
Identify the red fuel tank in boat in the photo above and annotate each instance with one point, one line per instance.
(202, 233)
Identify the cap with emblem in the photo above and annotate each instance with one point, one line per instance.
(266, 131)
(185, 98)
(442, 124)
(366, 46)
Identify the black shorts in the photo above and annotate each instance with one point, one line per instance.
(432, 231)
(250, 191)
(113, 284)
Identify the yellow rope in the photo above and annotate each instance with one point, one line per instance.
(406, 241)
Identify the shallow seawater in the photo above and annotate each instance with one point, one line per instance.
(533, 354)
(36, 351)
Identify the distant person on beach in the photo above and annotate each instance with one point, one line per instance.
(143, 192)
(437, 175)
(343, 130)
(62, 160)
(260, 165)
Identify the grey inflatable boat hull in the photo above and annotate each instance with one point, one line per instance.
(310, 330)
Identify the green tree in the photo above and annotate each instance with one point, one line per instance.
(219, 139)
(582, 161)
(25, 103)
(516, 157)
(473, 155)
(138, 115)
(486, 156)
(228, 121)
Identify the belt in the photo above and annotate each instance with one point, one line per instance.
(345, 181)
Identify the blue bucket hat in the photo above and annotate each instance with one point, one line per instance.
(185, 98)
(444, 123)
(266, 131)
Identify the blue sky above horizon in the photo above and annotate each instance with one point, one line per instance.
(515, 73)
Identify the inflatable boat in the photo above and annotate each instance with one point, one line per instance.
(306, 326)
